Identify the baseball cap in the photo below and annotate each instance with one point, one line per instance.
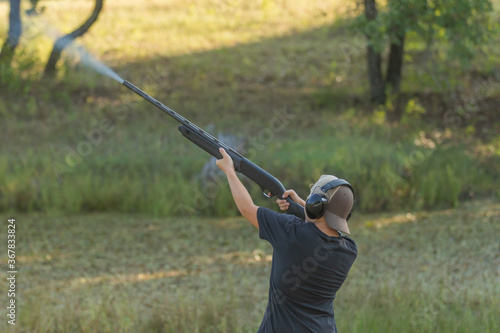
(340, 202)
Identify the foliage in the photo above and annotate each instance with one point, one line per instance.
(465, 25)
(450, 30)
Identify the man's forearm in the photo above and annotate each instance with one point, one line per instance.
(241, 196)
(242, 199)
(299, 200)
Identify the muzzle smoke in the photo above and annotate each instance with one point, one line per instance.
(90, 61)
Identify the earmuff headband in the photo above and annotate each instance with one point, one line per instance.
(336, 183)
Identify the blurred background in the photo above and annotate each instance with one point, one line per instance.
(123, 225)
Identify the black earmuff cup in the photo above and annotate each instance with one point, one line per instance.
(316, 206)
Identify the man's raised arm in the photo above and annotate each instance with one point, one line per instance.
(240, 194)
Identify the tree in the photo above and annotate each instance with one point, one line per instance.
(374, 59)
(462, 23)
(66, 40)
(14, 34)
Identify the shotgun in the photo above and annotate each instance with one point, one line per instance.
(269, 184)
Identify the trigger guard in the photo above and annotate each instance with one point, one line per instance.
(265, 193)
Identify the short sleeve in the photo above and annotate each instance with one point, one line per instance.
(274, 227)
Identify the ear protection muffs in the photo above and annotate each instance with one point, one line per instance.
(316, 203)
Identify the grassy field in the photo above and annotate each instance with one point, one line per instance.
(120, 230)
(237, 69)
(417, 271)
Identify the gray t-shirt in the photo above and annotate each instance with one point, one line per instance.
(307, 270)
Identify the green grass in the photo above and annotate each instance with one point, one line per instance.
(159, 174)
(230, 69)
(216, 73)
(416, 271)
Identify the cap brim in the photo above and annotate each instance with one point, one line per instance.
(336, 222)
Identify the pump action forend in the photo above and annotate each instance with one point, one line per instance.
(269, 184)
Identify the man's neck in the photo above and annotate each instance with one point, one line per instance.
(321, 225)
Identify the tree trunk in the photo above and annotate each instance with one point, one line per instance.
(374, 60)
(63, 42)
(377, 86)
(395, 65)
(15, 31)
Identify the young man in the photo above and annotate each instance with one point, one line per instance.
(311, 258)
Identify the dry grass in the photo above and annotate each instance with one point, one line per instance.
(436, 271)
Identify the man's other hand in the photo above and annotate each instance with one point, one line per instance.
(284, 205)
